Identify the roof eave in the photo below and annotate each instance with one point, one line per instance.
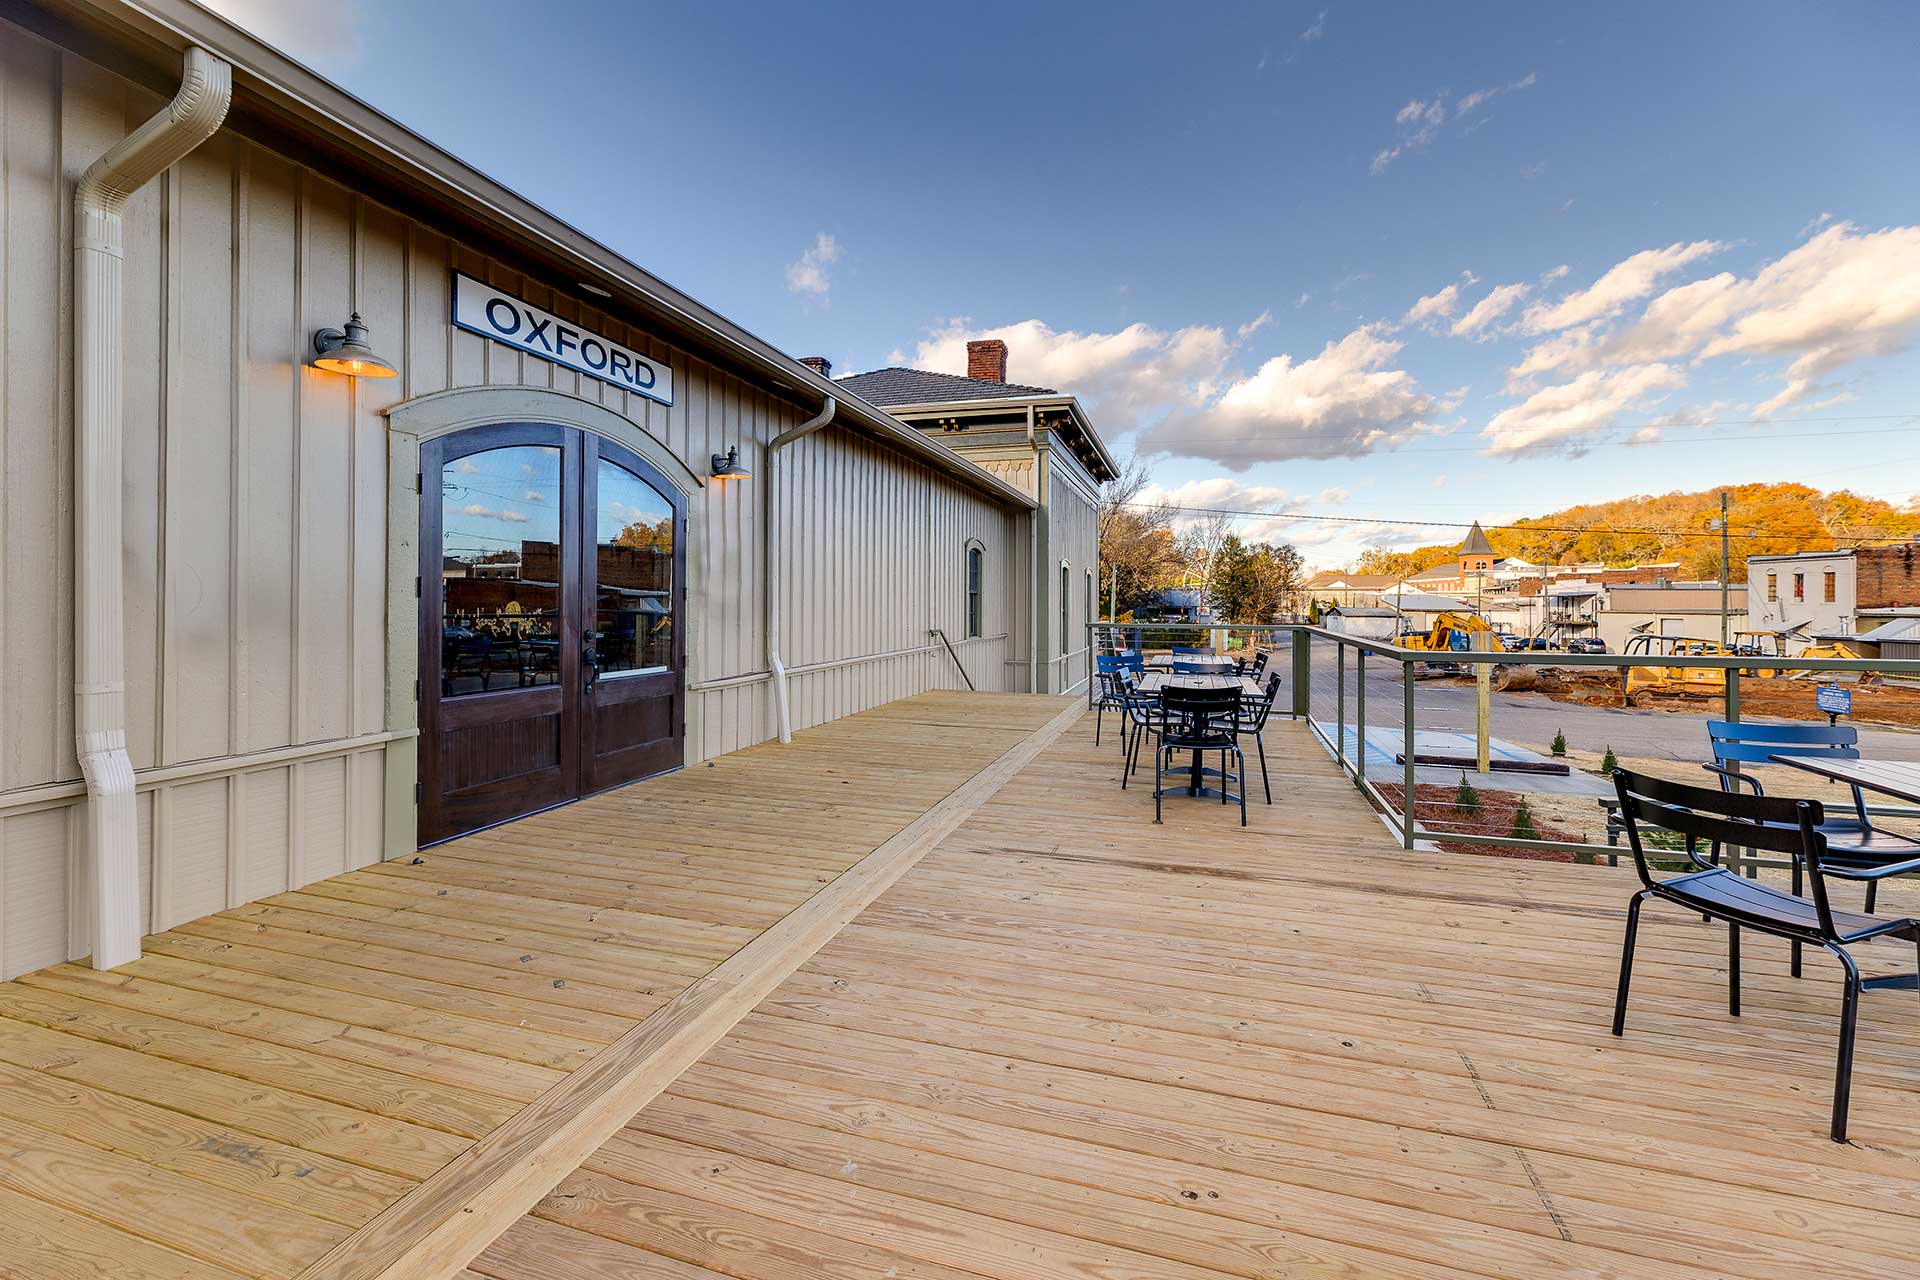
(1052, 400)
(302, 97)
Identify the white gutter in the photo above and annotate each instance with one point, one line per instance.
(772, 564)
(99, 667)
(1033, 567)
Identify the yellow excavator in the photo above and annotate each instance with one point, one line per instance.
(1451, 632)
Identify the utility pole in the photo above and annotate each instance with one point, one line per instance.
(1721, 524)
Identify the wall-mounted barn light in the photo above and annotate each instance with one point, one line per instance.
(727, 466)
(347, 351)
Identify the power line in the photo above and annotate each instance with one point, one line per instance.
(1405, 522)
(1578, 443)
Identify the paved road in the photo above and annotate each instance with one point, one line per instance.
(1533, 719)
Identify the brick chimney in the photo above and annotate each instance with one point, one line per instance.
(987, 358)
(819, 364)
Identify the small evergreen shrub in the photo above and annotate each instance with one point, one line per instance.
(1609, 762)
(1559, 742)
(1466, 797)
(1523, 828)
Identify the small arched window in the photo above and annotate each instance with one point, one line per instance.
(976, 572)
(1066, 586)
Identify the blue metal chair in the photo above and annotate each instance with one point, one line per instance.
(1184, 668)
(1853, 842)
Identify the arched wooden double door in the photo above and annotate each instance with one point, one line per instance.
(552, 603)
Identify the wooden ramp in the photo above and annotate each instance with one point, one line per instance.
(316, 1084)
(1072, 1044)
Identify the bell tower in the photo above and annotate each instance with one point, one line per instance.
(1476, 554)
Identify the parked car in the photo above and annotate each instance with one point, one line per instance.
(1586, 644)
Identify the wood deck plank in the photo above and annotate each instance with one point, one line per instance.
(1289, 1049)
(323, 1054)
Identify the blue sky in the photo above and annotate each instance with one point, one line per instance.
(1218, 225)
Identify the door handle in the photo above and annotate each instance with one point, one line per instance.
(590, 658)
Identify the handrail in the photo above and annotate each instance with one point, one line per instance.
(1400, 819)
(935, 631)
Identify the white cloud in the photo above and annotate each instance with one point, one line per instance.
(488, 513)
(1564, 413)
(1339, 403)
(807, 274)
(1441, 305)
(310, 30)
(1318, 29)
(1485, 312)
(1626, 281)
(1127, 374)
(534, 495)
(1842, 296)
(1815, 223)
(1303, 299)
(1200, 500)
(1256, 324)
(1479, 96)
(1420, 121)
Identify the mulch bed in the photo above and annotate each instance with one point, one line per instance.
(1436, 809)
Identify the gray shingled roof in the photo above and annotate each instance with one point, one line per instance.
(919, 386)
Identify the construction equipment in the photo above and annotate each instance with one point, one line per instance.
(1833, 647)
(1451, 632)
(1645, 644)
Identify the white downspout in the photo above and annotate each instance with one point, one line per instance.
(99, 671)
(1033, 565)
(772, 562)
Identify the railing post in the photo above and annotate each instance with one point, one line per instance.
(1406, 753)
(1360, 716)
(1340, 704)
(1732, 711)
(1302, 674)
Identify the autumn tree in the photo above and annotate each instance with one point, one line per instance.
(1767, 519)
(1137, 544)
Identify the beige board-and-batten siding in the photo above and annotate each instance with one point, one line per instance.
(257, 496)
(1073, 509)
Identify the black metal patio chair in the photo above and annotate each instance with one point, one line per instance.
(1109, 695)
(1251, 670)
(1774, 824)
(1143, 717)
(1199, 721)
(1253, 721)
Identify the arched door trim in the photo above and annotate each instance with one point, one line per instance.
(442, 413)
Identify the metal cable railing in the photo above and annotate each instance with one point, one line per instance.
(1360, 699)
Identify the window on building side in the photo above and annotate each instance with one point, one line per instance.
(1829, 587)
(975, 568)
(1773, 586)
(1799, 586)
(1065, 626)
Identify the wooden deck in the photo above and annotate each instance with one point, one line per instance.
(316, 1085)
(1071, 1044)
